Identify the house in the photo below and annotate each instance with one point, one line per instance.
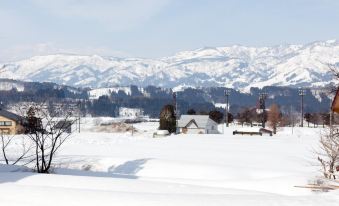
(335, 103)
(197, 124)
(63, 125)
(11, 123)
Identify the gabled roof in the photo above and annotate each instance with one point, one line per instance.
(192, 123)
(63, 124)
(200, 120)
(11, 116)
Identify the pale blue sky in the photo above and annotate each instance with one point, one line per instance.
(156, 28)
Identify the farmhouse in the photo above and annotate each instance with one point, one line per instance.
(197, 124)
(11, 123)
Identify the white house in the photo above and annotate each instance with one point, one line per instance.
(197, 124)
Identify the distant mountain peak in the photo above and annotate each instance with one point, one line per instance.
(239, 67)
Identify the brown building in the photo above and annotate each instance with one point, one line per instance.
(335, 103)
(11, 123)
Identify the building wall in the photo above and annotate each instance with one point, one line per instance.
(8, 129)
(212, 127)
(20, 129)
(192, 131)
(211, 130)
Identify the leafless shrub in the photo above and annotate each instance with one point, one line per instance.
(274, 117)
(247, 115)
(334, 69)
(328, 154)
(48, 132)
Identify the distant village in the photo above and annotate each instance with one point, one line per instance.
(192, 121)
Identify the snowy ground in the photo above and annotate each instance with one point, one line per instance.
(120, 169)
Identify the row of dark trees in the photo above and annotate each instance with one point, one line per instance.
(317, 119)
(250, 116)
(151, 99)
(216, 115)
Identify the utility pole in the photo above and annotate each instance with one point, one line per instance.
(227, 94)
(79, 112)
(302, 93)
(262, 99)
(175, 111)
(132, 129)
(291, 118)
(78, 119)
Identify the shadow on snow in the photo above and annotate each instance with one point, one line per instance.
(127, 170)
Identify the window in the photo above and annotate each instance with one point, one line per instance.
(8, 123)
(5, 123)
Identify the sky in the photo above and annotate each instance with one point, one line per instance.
(158, 28)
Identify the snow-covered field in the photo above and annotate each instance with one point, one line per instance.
(121, 169)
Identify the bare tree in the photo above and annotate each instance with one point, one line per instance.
(334, 69)
(307, 117)
(247, 116)
(21, 149)
(328, 154)
(316, 119)
(48, 132)
(274, 117)
(289, 118)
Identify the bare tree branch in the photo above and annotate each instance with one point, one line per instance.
(328, 154)
(48, 131)
(21, 152)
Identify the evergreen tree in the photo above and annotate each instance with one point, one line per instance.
(167, 119)
(191, 112)
(217, 116)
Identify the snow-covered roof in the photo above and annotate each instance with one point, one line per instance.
(200, 120)
(11, 115)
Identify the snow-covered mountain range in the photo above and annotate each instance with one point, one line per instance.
(239, 67)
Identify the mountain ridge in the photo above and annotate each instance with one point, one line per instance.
(238, 67)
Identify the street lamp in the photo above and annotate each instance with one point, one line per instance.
(302, 93)
(227, 94)
(262, 99)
